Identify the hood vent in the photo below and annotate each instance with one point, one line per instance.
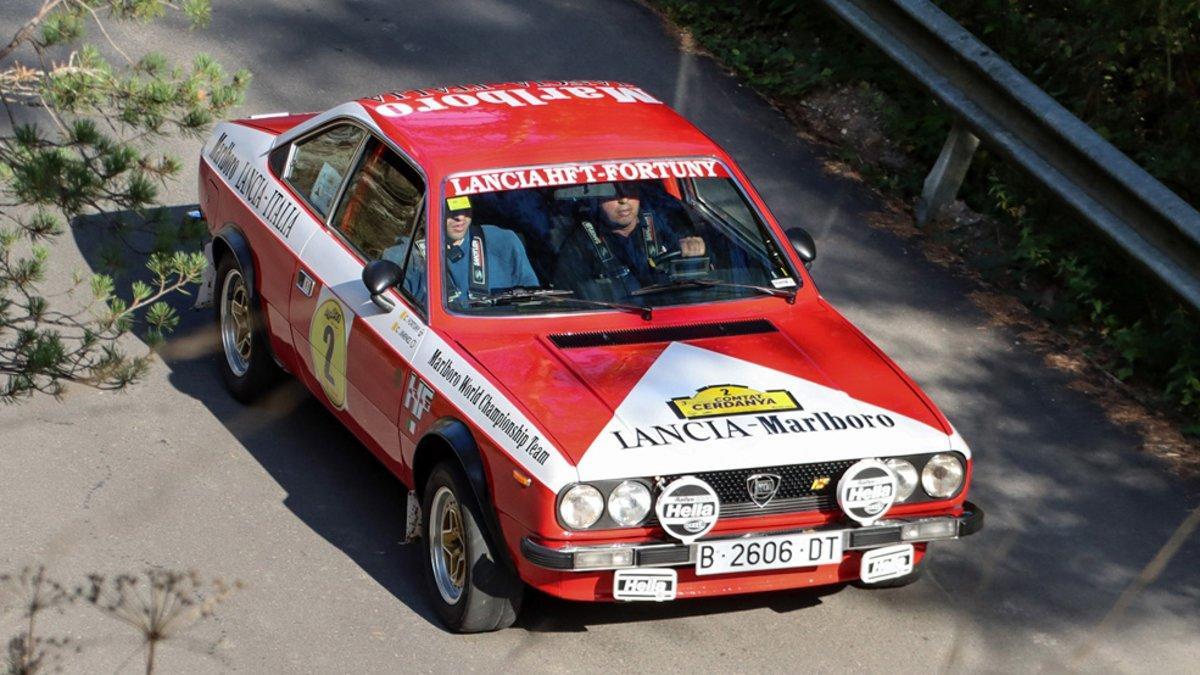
(633, 336)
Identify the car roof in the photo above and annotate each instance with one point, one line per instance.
(471, 127)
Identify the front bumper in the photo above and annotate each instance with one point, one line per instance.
(593, 558)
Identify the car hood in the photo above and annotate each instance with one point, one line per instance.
(675, 399)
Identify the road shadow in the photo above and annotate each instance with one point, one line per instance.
(542, 613)
(334, 485)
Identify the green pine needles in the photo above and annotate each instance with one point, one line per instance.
(78, 140)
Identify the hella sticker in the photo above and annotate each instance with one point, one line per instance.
(657, 585)
(890, 562)
(687, 509)
(867, 491)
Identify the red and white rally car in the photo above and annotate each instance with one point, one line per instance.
(563, 317)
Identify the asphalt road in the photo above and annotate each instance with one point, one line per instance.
(174, 473)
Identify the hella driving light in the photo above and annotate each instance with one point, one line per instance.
(629, 503)
(906, 477)
(581, 507)
(942, 475)
(924, 530)
(605, 558)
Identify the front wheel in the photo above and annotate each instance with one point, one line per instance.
(471, 589)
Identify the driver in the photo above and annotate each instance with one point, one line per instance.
(617, 245)
(481, 259)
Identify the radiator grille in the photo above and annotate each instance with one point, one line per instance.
(796, 491)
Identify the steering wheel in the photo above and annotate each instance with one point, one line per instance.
(658, 260)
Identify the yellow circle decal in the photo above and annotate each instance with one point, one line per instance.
(327, 339)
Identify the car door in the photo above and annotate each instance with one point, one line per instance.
(356, 354)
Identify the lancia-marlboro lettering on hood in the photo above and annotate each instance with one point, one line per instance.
(565, 320)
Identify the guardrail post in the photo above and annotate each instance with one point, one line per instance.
(943, 182)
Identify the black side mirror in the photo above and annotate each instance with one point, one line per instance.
(803, 242)
(378, 276)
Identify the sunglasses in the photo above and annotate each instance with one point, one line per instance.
(624, 191)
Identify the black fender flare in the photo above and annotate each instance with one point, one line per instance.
(458, 438)
(233, 239)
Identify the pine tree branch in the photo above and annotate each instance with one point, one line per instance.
(24, 32)
(103, 30)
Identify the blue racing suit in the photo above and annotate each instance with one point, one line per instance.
(504, 265)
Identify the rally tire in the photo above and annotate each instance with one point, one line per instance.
(246, 365)
(471, 590)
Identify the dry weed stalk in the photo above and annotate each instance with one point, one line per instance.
(33, 593)
(159, 604)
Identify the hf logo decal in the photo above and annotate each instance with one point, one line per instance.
(327, 338)
(418, 397)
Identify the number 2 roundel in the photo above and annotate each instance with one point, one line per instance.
(327, 340)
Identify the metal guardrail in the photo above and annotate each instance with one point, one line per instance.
(1016, 119)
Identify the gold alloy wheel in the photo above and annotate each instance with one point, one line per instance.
(452, 546)
(447, 545)
(235, 322)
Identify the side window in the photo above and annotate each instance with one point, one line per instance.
(320, 163)
(379, 211)
(720, 195)
(415, 267)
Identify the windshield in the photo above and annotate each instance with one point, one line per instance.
(565, 239)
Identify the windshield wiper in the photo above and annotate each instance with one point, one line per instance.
(790, 296)
(525, 295)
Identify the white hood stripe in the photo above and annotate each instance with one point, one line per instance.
(697, 410)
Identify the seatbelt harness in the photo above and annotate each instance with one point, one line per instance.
(477, 277)
(478, 280)
(612, 268)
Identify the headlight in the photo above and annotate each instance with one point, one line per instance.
(942, 475)
(906, 477)
(581, 507)
(629, 503)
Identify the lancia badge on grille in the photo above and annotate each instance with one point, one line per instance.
(762, 487)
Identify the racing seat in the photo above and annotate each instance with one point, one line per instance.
(522, 213)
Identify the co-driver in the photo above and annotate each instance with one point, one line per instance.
(479, 259)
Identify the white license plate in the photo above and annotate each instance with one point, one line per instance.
(768, 553)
